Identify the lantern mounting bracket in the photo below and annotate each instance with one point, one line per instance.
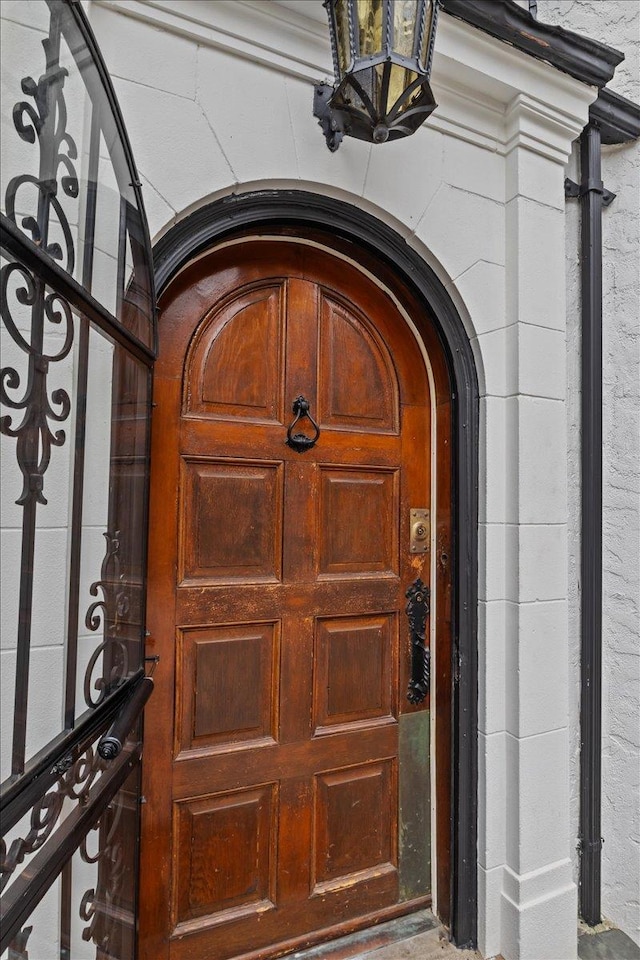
(333, 122)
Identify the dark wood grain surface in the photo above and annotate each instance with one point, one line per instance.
(276, 602)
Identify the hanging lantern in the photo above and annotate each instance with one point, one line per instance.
(382, 53)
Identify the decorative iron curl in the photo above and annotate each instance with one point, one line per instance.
(97, 907)
(34, 435)
(108, 838)
(31, 225)
(18, 946)
(72, 784)
(107, 613)
(44, 816)
(46, 121)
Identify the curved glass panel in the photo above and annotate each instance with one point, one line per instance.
(399, 81)
(370, 34)
(66, 180)
(343, 35)
(405, 19)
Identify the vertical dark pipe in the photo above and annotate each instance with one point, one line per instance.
(591, 526)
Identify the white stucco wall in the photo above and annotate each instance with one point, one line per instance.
(621, 474)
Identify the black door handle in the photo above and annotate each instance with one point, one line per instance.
(417, 611)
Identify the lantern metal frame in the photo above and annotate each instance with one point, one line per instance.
(340, 115)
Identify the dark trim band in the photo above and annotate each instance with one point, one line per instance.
(585, 59)
(617, 117)
(301, 209)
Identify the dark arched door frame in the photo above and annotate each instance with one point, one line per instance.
(304, 210)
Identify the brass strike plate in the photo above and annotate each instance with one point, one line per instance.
(420, 530)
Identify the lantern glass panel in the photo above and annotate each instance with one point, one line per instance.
(404, 23)
(428, 20)
(370, 26)
(342, 35)
(369, 82)
(400, 80)
(377, 80)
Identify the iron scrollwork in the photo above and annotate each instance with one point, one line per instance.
(300, 441)
(33, 204)
(107, 612)
(98, 906)
(43, 328)
(74, 784)
(34, 434)
(45, 121)
(417, 610)
(18, 946)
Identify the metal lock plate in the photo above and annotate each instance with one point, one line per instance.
(420, 530)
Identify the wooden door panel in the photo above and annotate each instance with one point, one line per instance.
(358, 520)
(235, 365)
(279, 806)
(302, 345)
(354, 671)
(229, 679)
(355, 818)
(225, 854)
(357, 382)
(231, 520)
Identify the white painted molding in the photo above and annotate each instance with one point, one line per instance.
(489, 93)
(530, 887)
(541, 128)
(258, 31)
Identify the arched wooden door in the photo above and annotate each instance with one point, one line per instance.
(287, 775)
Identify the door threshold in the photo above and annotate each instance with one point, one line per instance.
(363, 943)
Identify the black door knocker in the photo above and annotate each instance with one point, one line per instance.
(300, 441)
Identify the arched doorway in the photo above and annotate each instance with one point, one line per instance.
(331, 864)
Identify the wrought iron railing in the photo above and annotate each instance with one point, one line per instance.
(77, 308)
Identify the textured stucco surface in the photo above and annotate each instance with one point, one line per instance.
(617, 23)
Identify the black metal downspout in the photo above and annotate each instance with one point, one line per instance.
(591, 527)
(613, 119)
